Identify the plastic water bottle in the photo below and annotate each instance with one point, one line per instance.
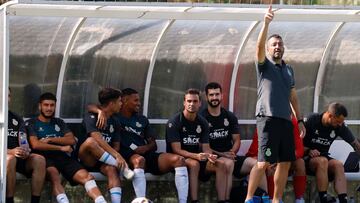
(23, 142)
(128, 173)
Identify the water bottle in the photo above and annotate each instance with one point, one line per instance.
(23, 142)
(128, 173)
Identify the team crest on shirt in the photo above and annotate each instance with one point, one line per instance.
(170, 125)
(57, 128)
(15, 122)
(316, 132)
(41, 129)
(92, 116)
(198, 129)
(184, 129)
(111, 129)
(210, 125)
(138, 124)
(226, 122)
(268, 152)
(332, 134)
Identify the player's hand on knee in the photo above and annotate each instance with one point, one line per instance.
(121, 162)
(202, 157)
(230, 155)
(212, 158)
(314, 153)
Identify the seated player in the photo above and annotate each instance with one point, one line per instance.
(50, 137)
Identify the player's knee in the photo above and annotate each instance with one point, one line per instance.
(38, 161)
(229, 164)
(220, 164)
(193, 165)
(339, 168)
(262, 165)
(90, 143)
(178, 161)
(88, 177)
(138, 162)
(11, 161)
(322, 163)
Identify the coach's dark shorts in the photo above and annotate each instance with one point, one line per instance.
(276, 140)
(66, 165)
(239, 161)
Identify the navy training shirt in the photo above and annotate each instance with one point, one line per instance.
(15, 125)
(55, 128)
(321, 137)
(274, 84)
(221, 128)
(190, 134)
(136, 131)
(111, 132)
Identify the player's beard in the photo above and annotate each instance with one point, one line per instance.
(45, 116)
(214, 105)
(278, 55)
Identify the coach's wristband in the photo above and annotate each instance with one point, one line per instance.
(300, 121)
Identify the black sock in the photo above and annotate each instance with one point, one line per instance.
(195, 201)
(342, 198)
(9, 199)
(323, 196)
(35, 199)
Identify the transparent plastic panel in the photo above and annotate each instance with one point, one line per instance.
(2, 51)
(37, 46)
(304, 46)
(355, 129)
(342, 72)
(107, 52)
(191, 54)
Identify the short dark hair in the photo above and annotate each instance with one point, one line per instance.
(47, 96)
(108, 94)
(337, 109)
(192, 91)
(129, 91)
(212, 85)
(277, 36)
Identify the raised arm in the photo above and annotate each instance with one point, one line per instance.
(260, 46)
